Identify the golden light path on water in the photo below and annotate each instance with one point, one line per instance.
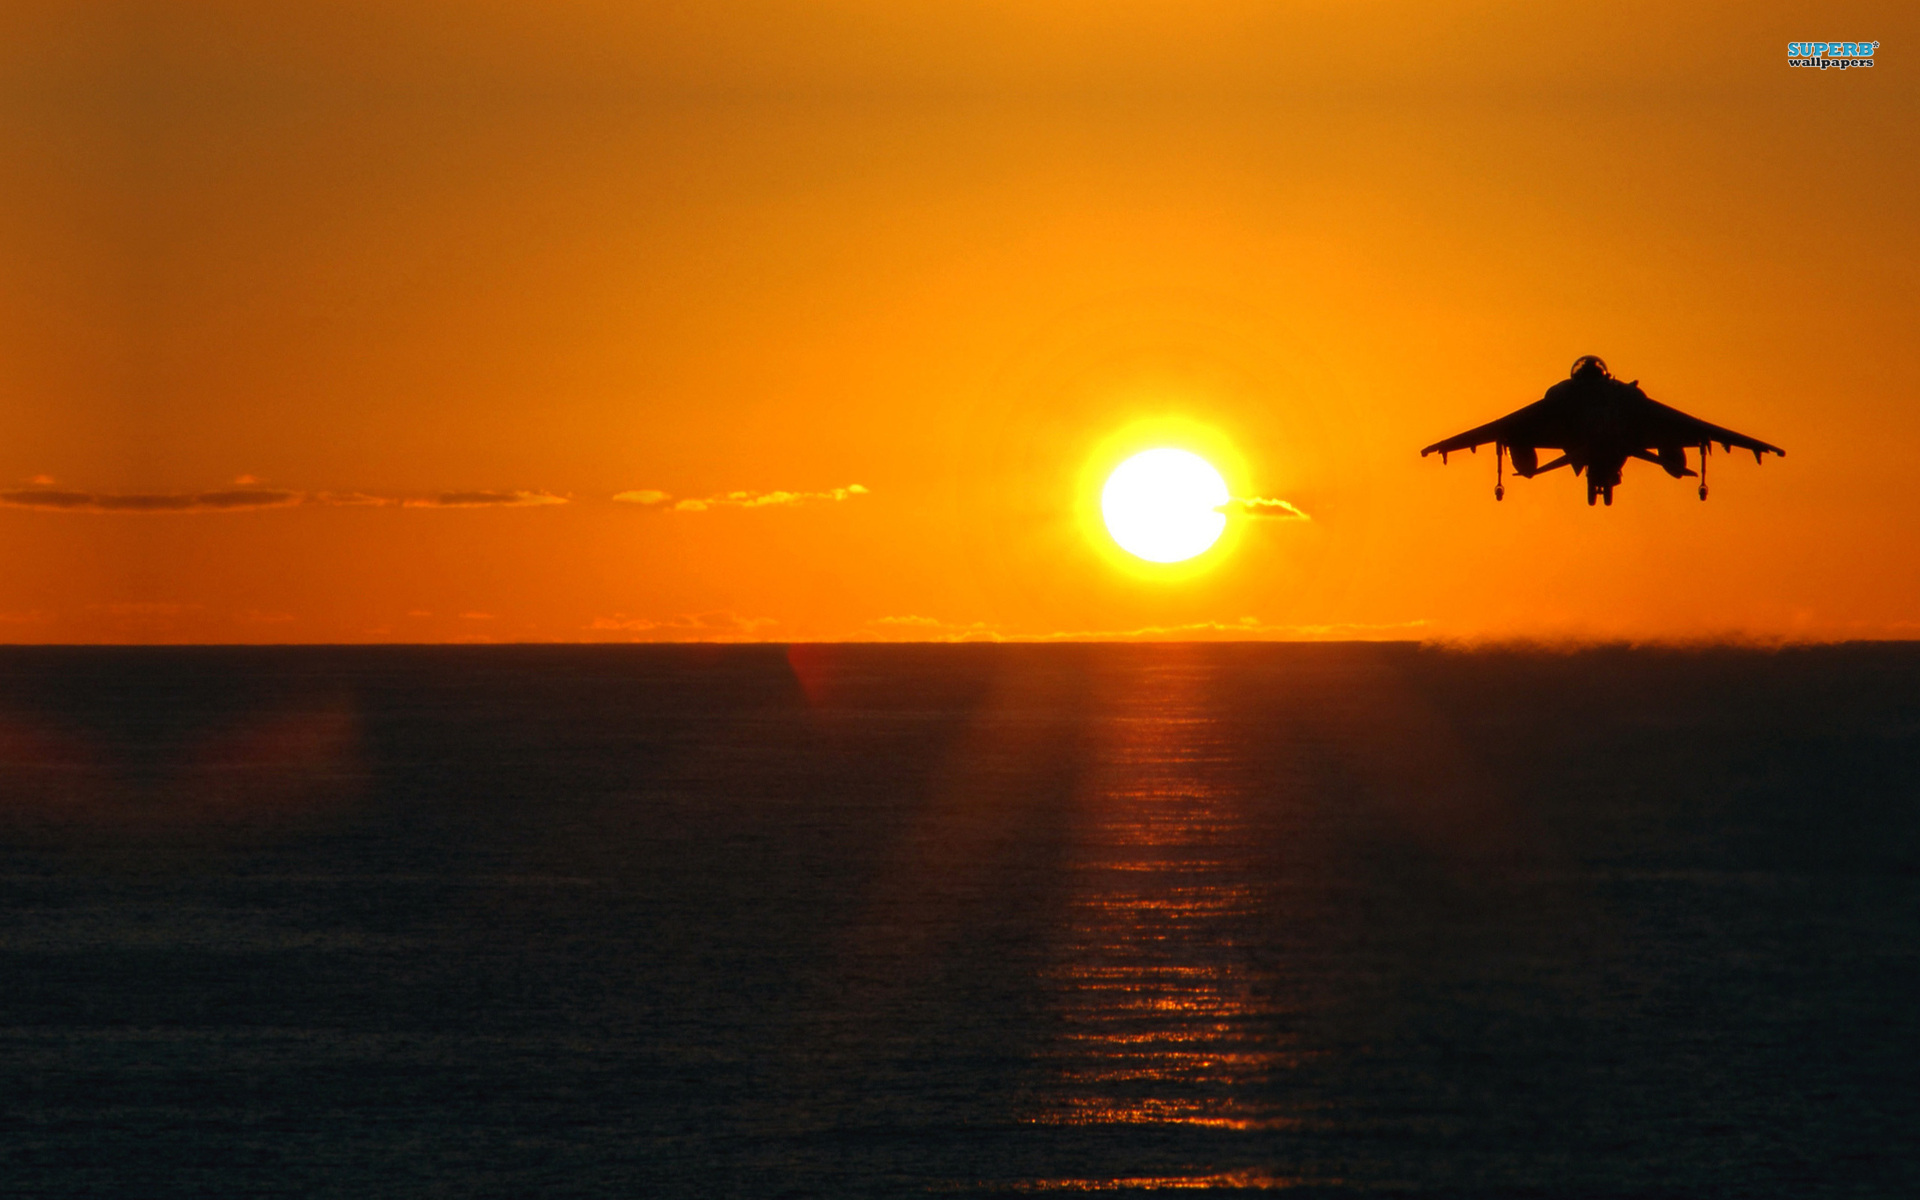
(1166, 1022)
(1239, 1180)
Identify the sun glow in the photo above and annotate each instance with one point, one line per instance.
(1165, 505)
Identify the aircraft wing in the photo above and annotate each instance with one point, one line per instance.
(1518, 425)
(1665, 426)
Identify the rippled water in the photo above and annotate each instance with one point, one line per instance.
(876, 921)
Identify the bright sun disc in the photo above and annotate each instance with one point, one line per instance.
(1164, 505)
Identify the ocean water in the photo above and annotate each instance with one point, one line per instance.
(1339, 920)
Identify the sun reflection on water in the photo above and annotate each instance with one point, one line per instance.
(1167, 1020)
(1240, 1180)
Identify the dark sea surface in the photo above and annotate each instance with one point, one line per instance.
(964, 920)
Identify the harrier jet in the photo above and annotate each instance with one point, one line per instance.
(1598, 423)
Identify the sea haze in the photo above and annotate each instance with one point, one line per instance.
(959, 920)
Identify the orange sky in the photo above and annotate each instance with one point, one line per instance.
(422, 276)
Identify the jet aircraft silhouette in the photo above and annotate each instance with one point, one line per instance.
(1597, 423)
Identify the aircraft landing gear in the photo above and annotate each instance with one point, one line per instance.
(1592, 492)
(1703, 470)
(1608, 493)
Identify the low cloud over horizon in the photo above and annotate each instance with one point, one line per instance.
(1261, 506)
(250, 498)
(651, 498)
(245, 499)
(718, 625)
(931, 629)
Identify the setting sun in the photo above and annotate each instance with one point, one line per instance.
(1165, 505)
